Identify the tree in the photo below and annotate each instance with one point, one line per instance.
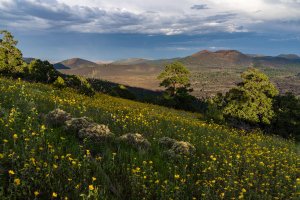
(175, 78)
(252, 99)
(11, 59)
(41, 71)
(287, 120)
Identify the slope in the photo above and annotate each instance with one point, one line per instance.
(51, 162)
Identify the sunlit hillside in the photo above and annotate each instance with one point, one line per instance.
(44, 161)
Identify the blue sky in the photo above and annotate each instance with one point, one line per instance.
(116, 29)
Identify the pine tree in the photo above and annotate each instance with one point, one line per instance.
(252, 99)
(175, 78)
(11, 59)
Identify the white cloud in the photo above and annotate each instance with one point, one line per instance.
(152, 17)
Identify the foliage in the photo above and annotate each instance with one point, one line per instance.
(81, 84)
(11, 59)
(175, 78)
(59, 82)
(41, 162)
(122, 91)
(287, 120)
(41, 71)
(251, 101)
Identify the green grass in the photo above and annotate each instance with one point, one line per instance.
(52, 162)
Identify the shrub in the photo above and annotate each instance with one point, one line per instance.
(41, 71)
(123, 92)
(136, 140)
(81, 84)
(57, 117)
(59, 82)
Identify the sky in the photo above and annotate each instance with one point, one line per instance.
(116, 29)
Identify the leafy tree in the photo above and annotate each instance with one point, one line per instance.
(252, 99)
(287, 120)
(41, 71)
(175, 78)
(11, 59)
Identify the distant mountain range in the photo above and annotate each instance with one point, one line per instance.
(220, 59)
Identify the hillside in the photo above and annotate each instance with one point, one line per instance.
(74, 63)
(49, 162)
(221, 59)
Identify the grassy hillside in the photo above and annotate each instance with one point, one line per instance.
(37, 161)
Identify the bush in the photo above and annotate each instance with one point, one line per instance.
(59, 82)
(287, 120)
(40, 71)
(123, 92)
(81, 84)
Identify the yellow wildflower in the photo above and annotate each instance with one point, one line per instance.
(17, 181)
(11, 172)
(91, 187)
(54, 194)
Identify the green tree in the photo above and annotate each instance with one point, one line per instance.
(41, 71)
(287, 120)
(252, 99)
(175, 78)
(11, 59)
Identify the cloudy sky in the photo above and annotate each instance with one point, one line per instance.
(115, 29)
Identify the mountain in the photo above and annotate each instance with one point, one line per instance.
(28, 59)
(74, 63)
(289, 56)
(222, 58)
(130, 61)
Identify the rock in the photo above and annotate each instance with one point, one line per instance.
(166, 142)
(176, 149)
(136, 140)
(96, 132)
(76, 124)
(57, 117)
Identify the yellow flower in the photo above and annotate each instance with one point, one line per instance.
(36, 193)
(55, 166)
(17, 181)
(91, 187)
(244, 190)
(11, 172)
(15, 136)
(213, 158)
(93, 178)
(1, 156)
(176, 176)
(5, 141)
(54, 194)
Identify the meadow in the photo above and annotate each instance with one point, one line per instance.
(42, 162)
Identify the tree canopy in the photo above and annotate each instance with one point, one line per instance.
(252, 99)
(11, 59)
(175, 78)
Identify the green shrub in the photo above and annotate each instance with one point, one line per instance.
(81, 84)
(59, 82)
(123, 92)
(41, 71)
